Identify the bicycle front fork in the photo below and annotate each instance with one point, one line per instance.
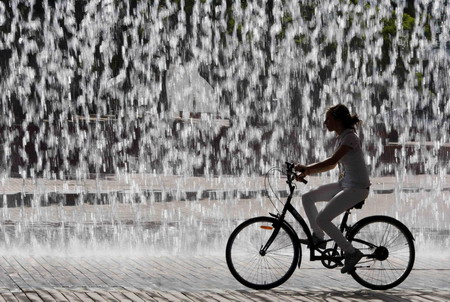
(276, 230)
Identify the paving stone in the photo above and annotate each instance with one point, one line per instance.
(145, 296)
(94, 295)
(69, 295)
(121, 297)
(82, 296)
(27, 297)
(35, 296)
(44, 295)
(8, 296)
(58, 296)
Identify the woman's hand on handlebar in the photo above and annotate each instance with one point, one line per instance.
(304, 171)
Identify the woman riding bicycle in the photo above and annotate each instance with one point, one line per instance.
(352, 187)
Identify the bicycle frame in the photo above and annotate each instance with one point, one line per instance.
(289, 208)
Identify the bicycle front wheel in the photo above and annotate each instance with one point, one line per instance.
(256, 269)
(389, 249)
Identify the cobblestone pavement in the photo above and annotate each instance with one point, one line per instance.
(195, 278)
(127, 251)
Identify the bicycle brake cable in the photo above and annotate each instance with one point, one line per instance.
(267, 181)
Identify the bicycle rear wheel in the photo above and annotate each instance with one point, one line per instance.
(262, 270)
(390, 252)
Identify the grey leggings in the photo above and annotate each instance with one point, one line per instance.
(339, 200)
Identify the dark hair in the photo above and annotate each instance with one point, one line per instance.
(342, 113)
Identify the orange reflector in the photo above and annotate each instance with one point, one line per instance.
(265, 227)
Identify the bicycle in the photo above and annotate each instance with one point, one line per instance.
(263, 252)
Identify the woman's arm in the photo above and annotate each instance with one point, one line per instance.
(325, 165)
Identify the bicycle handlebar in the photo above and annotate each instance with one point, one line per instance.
(291, 171)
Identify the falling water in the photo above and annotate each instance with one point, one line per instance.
(134, 91)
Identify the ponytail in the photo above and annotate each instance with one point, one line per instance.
(342, 113)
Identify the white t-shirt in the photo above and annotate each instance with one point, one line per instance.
(352, 165)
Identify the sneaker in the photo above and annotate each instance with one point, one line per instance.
(351, 260)
(319, 243)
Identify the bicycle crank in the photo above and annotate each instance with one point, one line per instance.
(330, 260)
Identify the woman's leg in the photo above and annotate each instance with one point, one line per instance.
(322, 193)
(340, 203)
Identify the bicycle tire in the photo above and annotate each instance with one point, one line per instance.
(391, 246)
(258, 271)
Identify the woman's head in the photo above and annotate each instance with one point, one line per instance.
(338, 116)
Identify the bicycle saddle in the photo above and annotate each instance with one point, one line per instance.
(359, 205)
